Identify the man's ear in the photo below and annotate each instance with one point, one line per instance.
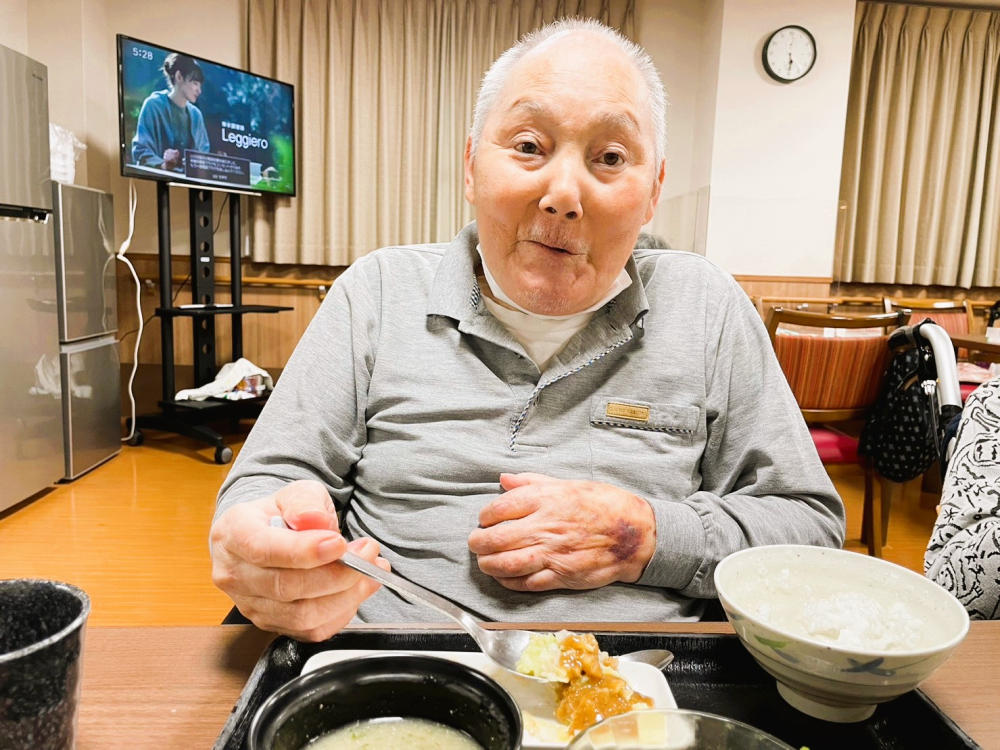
(654, 197)
(470, 180)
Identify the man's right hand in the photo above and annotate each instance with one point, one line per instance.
(171, 158)
(288, 580)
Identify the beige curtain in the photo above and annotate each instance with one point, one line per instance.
(384, 91)
(922, 148)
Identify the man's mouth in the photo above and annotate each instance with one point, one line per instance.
(553, 248)
(556, 249)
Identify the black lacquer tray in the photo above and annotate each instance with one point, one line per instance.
(711, 673)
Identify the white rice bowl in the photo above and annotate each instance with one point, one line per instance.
(841, 632)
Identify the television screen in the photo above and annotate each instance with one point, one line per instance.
(185, 119)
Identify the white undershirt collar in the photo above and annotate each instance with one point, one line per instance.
(620, 284)
(543, 336)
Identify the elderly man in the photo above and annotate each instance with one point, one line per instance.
(533, 420)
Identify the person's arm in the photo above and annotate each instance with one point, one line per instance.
(296, 464)
(201, 142)
(313, 426)
(762, 480)
(963, 554)
(145, 151)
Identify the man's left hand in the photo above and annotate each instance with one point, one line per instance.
(545, 533)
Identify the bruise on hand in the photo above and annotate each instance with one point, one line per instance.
(627, 540)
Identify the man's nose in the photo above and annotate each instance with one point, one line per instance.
(562, 194)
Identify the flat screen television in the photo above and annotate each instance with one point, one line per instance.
(188, 120)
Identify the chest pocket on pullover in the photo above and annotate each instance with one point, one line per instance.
(648, 448)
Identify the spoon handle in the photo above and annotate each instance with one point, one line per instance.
(404, 586)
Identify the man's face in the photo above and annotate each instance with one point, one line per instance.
(189, 89)
(564, 176)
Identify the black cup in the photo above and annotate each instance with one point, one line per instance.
(384, 686)
(41, 637)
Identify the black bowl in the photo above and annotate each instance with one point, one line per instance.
(383, 686)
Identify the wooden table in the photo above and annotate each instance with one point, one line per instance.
(976, 342)
(168, 688)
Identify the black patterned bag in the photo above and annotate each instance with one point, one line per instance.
(899, 436)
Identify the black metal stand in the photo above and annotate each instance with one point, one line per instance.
(190, 418)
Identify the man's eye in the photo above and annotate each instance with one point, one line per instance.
(612, 159)
(527, 147)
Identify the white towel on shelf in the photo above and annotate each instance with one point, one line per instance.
(228, 378)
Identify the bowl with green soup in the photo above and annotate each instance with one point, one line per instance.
(389, 701)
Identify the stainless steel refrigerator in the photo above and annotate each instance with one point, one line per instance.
(31, 433)
(87, 311)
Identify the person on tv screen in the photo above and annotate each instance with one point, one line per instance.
(169, 121)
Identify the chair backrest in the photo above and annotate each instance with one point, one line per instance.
(886, 321)
(765, 303)
(833, 378)
(954, 316)
(816, 304)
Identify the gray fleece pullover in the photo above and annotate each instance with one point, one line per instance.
(406, 398)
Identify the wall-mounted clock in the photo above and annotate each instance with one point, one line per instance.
(789, 53)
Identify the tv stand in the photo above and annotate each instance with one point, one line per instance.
(190, 418)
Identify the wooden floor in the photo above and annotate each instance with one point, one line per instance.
(133, 533)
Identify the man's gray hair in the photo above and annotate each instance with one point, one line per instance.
(496, 76)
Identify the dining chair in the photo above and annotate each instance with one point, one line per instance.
(835, 380)
(955, 316)
(830, 305)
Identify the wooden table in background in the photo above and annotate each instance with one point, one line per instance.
(976, 342)
(167, 688)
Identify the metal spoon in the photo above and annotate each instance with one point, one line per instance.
(658, 657)
(503, 647)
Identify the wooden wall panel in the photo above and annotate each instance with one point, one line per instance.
(778, 286)
(981, 297)
(270, 339)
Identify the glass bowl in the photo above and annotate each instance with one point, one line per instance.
(674, 729)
